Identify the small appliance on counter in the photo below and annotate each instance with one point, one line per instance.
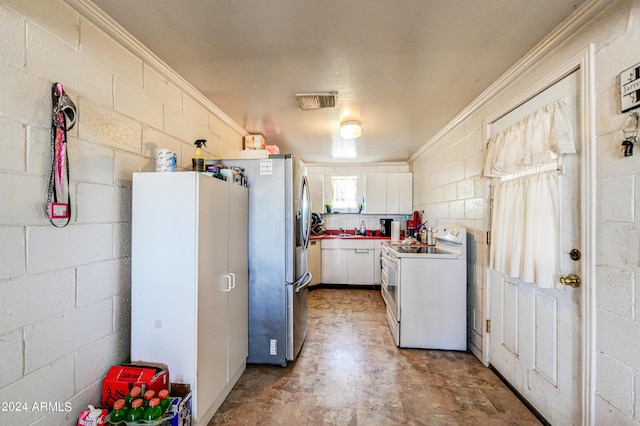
(317, 224)
(385, 227)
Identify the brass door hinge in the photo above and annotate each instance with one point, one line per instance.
(488, 327)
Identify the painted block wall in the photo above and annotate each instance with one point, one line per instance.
(448, 185)
(65, 293)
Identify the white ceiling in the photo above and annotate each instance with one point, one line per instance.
(404, 68)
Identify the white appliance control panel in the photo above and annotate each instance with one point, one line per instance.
(452, 233)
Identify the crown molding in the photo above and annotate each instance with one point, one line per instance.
(99, 18)
(583, 15)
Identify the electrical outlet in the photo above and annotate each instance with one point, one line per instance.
(273, 347)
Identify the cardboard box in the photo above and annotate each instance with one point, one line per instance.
(121, 378)
(183, 409)
(273, 149)
(261, 153)
(179, 414)
(254, 142)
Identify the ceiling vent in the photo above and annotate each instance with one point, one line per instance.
(317, 100)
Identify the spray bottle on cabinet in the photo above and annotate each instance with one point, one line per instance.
(197, 161)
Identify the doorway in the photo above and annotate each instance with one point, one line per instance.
(541, 339)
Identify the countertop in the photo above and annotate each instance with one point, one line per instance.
(333, 235)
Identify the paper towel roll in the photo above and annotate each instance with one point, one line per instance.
(395, 231)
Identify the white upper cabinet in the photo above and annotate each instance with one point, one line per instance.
(316, 188)
(388, 193)
(375, 193)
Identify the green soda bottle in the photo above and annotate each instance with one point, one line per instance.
(153, 411)
(148, 396)
(165, 401)
(134, 394)
(119, 413)
(136, 412)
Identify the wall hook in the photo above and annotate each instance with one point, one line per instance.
(630, 131)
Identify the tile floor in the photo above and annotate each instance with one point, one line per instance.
(350, 372)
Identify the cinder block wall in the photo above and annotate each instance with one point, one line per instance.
(64, 293)
(448, 185)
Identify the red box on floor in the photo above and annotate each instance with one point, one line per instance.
(121, 378)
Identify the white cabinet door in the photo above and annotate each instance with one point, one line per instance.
(375, 193)
(212, 236)
(405, 193)
(334, 266)
(399, 193)
(316, 189)
(360, 266)
(238, 297)
(393, 193)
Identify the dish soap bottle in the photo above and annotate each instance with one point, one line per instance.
(197, 161)
(363, 228)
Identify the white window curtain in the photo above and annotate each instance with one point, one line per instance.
(525, 221)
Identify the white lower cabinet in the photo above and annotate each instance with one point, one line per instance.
(360, 266)
(348, 261)
(189, 282)
(334, 263)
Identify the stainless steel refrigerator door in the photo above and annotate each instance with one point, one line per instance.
(302, 217)
(297, 291)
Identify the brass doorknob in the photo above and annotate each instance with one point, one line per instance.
(572, 280)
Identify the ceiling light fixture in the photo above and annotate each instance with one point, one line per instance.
(350, 129)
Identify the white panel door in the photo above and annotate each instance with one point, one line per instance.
(536, 332)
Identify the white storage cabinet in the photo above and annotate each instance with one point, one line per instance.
(388, 193)
(189, 295)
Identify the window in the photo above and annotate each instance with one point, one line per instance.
(344, 193)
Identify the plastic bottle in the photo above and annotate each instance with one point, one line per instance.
(403, 228)
(134, 394)
(119, 413)
(197, 161)
(363, 228)
(135, 414)
(148, 396)
(153, 411)
(165, 401)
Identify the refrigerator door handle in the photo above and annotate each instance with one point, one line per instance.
(302, 282)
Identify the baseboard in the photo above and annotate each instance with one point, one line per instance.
(345, 286)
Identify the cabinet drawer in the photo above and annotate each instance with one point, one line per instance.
(348, 243)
